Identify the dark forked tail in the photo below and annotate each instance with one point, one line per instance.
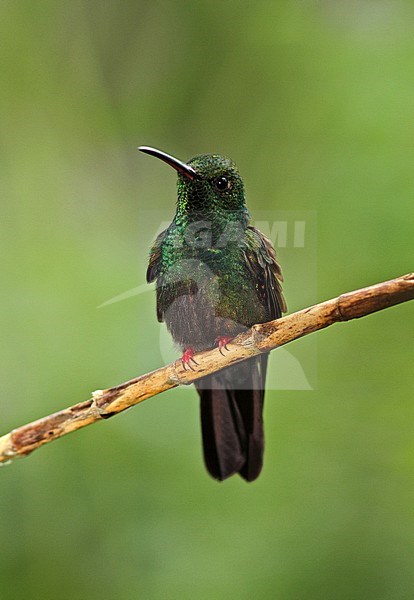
(231, 419)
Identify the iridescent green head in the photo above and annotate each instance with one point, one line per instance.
(206, 183)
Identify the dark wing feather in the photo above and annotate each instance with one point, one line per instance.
(154, 267)
(155, 258)
(262, 263)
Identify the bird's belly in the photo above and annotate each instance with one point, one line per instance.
(215, 306)
(191, 321)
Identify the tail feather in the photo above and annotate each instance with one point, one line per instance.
(231, 419)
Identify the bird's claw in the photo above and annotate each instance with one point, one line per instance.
(222, 342)
(187, 359)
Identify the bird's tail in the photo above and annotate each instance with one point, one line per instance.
(231, 419)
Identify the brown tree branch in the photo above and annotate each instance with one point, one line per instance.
(260, 338)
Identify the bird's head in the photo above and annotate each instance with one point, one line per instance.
(206, 183)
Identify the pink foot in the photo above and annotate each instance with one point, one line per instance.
(222, 341)
(187, 359)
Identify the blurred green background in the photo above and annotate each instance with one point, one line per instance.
(314, 101)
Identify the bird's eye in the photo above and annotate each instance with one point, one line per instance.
(221, 183)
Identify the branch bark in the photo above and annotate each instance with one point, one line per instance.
(260, 338)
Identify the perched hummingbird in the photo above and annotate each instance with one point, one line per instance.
(216, 276)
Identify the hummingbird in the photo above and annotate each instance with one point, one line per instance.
(216, 275)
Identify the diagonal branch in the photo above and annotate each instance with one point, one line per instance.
(260, 338)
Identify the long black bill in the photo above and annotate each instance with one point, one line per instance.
(176, 164)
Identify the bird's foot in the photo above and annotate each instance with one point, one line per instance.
(222, 341)
(187, 359)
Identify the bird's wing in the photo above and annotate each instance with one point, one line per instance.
(261, 261)
(155, 257)
(154, 266)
